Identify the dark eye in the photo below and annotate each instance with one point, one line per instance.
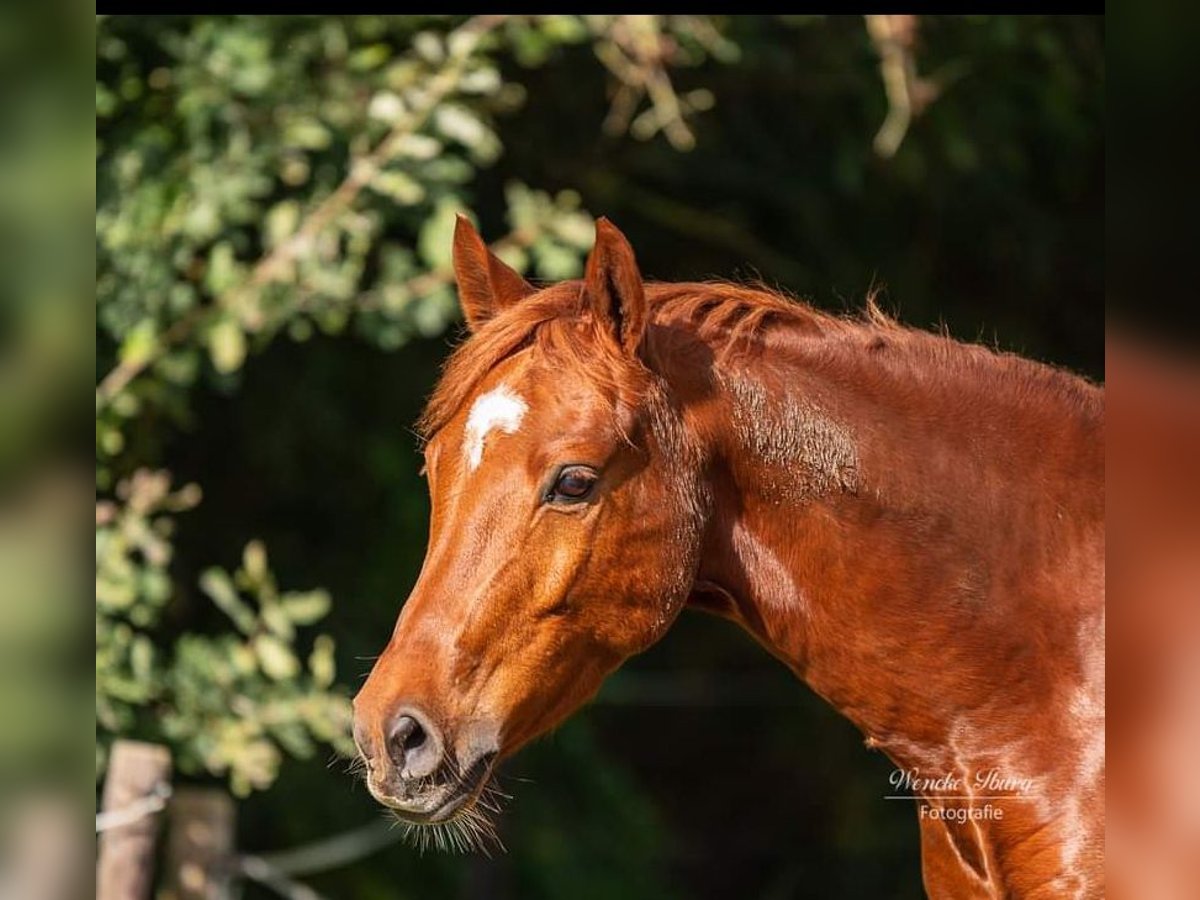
(573, 484)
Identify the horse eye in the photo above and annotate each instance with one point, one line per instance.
(573, 483)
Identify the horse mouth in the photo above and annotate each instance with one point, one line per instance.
(442, 800)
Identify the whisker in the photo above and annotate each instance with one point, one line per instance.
(356, 766)
(472, 829)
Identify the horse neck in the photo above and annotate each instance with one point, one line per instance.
(901, 519)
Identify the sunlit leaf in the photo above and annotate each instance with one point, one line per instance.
(437, 234)
(321, 662)
(276, 657)
(402, 188)
(306, 608)
(217, 584)
(140, 344)
(227, 345)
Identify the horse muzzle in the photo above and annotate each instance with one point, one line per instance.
(412, 770)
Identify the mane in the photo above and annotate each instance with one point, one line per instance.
(729, 317)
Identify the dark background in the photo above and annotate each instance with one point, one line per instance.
(703, 769)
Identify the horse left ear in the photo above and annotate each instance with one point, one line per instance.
(613, 289)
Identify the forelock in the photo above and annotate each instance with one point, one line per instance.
(551, 323)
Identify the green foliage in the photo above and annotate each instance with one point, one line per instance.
(227, 703)
(261, 177)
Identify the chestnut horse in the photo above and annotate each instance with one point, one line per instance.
(914, 526)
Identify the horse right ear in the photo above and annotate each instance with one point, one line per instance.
(486, 284)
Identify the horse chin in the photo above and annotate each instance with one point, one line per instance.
(437, 803)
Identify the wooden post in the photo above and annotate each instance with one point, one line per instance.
(125, 868)
(200, 844)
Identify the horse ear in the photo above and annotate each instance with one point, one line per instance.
(613, 289)
(486, 285)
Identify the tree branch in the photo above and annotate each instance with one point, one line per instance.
(461, 43)
(894, 37)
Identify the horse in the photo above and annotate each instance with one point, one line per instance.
(913, 525)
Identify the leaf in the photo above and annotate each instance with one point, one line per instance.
(141, 658)
(461, 124)
(275, 658)
(321, 661)
(115, 595)
(429, 46)
(155, 586)
(293, 737)
(522, 207)
(576, 229)
(223, 271)
(514, 256)
(386, 106)
(217, 584)
(449, 169)
(434, 310)
(306, 608)
(242, 659)
(402, 188)
(140, 344)
(282, 221)
(459, 42)
(227, 346)
(435, 241)
(371, 57)
(254, 561)
(254, 767)
(306, 134)
(276, 619)
(555, 262)
(568, 29)
(484, 80)
(418, 146)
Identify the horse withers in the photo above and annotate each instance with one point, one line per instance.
(915, 526)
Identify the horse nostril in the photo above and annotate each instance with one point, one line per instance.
(414, 745)
(407, 736)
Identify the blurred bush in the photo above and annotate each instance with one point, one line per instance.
(268, 175)
(258, 176)
(228, 702)
(264, 177)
